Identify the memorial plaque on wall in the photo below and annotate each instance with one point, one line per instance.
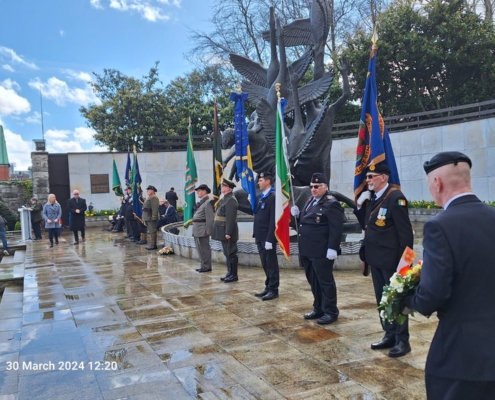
(99, 183)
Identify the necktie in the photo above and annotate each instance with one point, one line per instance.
(311, 205)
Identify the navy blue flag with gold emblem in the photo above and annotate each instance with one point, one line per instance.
(128, 171)
(243, 161)
(374, 144)
(137, 198)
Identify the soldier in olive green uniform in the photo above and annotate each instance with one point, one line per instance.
(225, 229)
(151, 215)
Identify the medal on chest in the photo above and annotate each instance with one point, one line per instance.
(380, 218)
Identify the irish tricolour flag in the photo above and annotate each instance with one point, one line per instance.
(282, 184)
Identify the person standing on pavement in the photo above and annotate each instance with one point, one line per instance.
(171, 197)
(264, 235)
(225, 229)
(3, 231)
(52, 212)
(36, 218)
(77, 207)
(383, 215)
(321, 223)
(151, 215)
(203, 226)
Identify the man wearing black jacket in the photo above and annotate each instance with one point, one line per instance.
(383, 215)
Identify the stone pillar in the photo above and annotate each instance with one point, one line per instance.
(41, 184)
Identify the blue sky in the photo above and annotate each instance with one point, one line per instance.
(56, 45)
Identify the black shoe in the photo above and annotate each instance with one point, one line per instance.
(231, 278)
(261, 294)
(142, 242)
(270, 296)
(203, 270)
(400, 349)
(151, 247)
(51, 245)
(327, 319)
(56, 242)
(312, 315)
(385, 343)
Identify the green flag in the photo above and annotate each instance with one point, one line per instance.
(191, 179)
(116, 186)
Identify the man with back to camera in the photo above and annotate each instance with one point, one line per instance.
(320, 227)
(171, 197)
(264, 235)
(383, 215)
(457, 281)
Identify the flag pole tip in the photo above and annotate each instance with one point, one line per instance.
(277, 88)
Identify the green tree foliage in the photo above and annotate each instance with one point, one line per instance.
(6, 212)
(436, 56)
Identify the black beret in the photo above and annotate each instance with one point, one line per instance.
(380, 168)
(203, 187)
(319, 177)
(228, 183)
(444, 158)
(151, 187)
(265, 175)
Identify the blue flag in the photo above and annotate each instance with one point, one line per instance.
(137, 198)
(374, 144)
(128, 171)
(243, 160)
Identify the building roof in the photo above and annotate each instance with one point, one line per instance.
(4, 157)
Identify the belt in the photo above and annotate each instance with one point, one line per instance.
(221, 219)
(199, 220)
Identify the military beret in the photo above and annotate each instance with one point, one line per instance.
(265, 175)
(444, 158)
(380, 168)
(203, 187)
(228, 183)
(319, 177)
(151, 187)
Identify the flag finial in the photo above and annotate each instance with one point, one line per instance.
(374, 38)
(277, 88)
(238, 87)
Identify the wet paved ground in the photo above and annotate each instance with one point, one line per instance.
(116, 321)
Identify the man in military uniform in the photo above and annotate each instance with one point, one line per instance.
(321, 223)
(383, 215)
(203, 226)
(264, 235)
(151, 215)
(226, 230)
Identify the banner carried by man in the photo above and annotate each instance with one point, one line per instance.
(217, 155)
(116, 185)
(190, 181)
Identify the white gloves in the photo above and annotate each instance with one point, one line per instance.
(332, 254)
(363, 197)
(268, 246)
(294, 210)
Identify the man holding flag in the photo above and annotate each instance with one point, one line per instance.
(217, 156)
(381, 208)
(190, 181)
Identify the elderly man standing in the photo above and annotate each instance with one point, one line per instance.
(225, 229)
(151, 215)
(264, 235)
(383, 215)
(203, 226)
(77, 207)
(457, 281)
(321, 223)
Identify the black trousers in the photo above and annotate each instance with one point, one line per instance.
(319, 273)
(76, 237)
(229, 248)
(454, 389)
(136, 229)
(269, 261)
(381, 277)
(53, 234)
(36, 229)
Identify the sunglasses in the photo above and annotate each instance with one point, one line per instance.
(314, 186)
(371, 176)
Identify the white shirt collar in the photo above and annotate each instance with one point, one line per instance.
(456, 197)
(266, 191)
(380, 193)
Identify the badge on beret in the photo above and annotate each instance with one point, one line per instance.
(371, 167)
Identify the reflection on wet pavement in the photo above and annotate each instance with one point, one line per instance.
(117, 321)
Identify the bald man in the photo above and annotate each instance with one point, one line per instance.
(458, 282)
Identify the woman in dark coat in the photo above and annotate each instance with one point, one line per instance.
(36, 218)
(52, 212)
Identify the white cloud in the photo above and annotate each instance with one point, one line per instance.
(57, 134)
(15, 58)
(176, 3)
(84, 135)
(60, 92)
(96, 4)
(18, 149)
(10, 101)
(34, 119)
(142, 7)
(78, 75)
(62, 146)
(62, 32)
(7, 67)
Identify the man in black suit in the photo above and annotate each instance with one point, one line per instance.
(77, 207)
(383, 215)
(321, 223)
(171, 197)
(168, 217)
(458, 282)
(264, 235)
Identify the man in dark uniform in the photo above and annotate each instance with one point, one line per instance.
(203, 226)
(383, 215)
(321, 223)
(171, 197)
(226, 230)
(458, 281)
(264, 235)
(77, 207)
(151, 215)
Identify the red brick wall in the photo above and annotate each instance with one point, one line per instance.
(4, 172)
